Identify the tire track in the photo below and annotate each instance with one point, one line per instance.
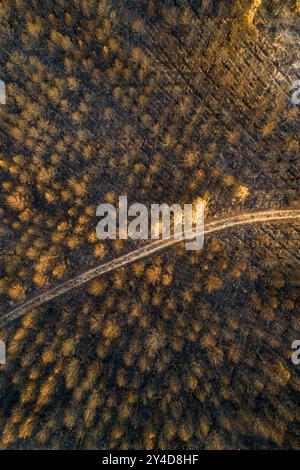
(140, 253)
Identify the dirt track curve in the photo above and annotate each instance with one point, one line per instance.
(213, 226)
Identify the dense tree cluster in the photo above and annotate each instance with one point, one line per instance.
(162, 101)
